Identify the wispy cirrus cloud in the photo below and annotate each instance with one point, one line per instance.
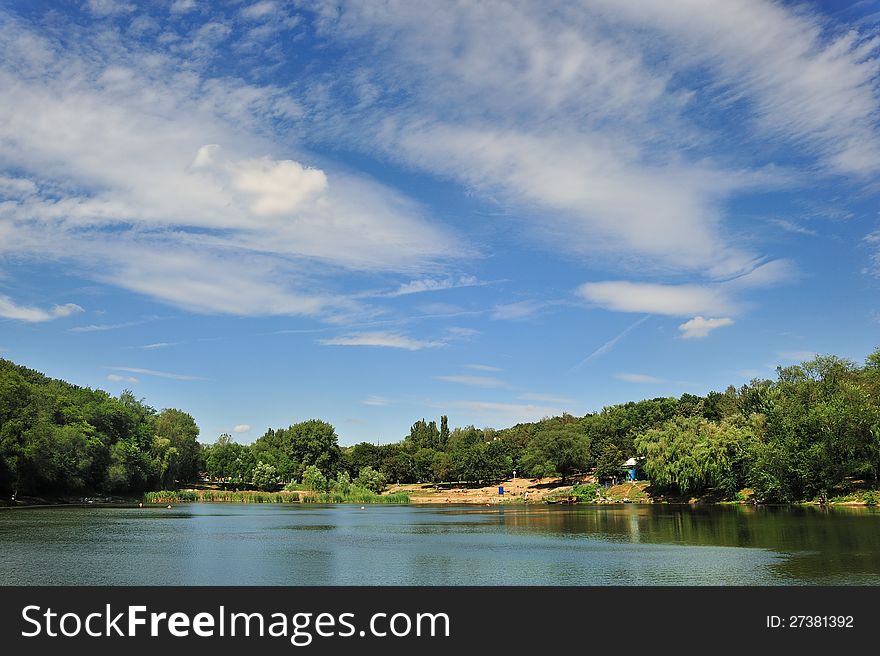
(382, 340)
(432, 285)
(640, 378)
(516, 311)
(376, 400)
(102, 327)
(196, 214)
(157, 374)
(116, 378)
(483, 367)
(473, 381)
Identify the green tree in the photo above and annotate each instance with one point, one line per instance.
(370, 479)
(264, 476)
(182, 433)
(609, 462)
(559, 451)
(314, 479)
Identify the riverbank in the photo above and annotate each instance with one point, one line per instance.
(553, 490)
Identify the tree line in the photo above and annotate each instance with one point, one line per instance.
(811, 433)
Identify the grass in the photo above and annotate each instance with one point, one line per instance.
(219, 496)
(249, 496)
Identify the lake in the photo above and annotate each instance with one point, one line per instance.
(302, 544)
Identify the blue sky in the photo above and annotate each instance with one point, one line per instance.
(372, 212)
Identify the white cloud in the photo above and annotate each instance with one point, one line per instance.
(622, 296)
(432, 285)
(801, 81)
(157, 345)
(123, 379)
(376, 400)
(182, 6)
(483, 367)
(382, 339)
(640, 378)
(16, 187)
(516, 311)
(495, 96)
(700, 327)
(796, 228)
(114, 179)
(9, 309)
(274, 187)
(473, 381)
(158, 374)
(104, 8)
(462, 333)
(100, 327)
(241, 428)
(259, 10)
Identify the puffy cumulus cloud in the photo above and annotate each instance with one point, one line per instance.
(700, 327)
(623, 296)
(272, 187)
(241, 428)
(383, 340)
(9, 309)
(135, 167)
(259, 10)
(182, 6)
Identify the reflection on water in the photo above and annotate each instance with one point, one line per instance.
(203, 544)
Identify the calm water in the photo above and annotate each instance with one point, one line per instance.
(203, 544)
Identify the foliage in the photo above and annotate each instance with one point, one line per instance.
(609, 462)
(814, 432)
(264, 476)
(314, 479)
(558, 451)
(370, 479)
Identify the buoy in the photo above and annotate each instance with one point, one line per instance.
(362, 507)
(169, 507)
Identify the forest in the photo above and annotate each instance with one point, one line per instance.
(812, 433)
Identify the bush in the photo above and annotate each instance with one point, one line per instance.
(370, 479)
(314, 480)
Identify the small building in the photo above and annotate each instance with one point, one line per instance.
(631, 466)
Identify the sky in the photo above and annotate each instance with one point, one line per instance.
(371, 212)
